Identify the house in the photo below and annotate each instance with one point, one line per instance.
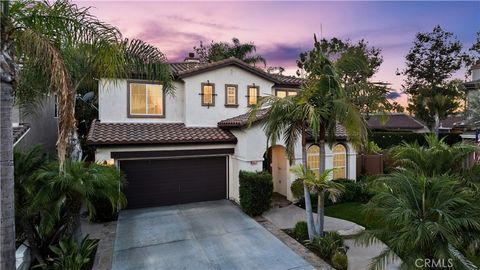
(37, 126)
(396, 122)
(190, 146)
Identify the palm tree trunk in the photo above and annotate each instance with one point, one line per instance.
(437, 124)
(7, 205)
(321, 194)
(306, 192)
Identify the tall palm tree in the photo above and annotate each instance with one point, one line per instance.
(38, 34)
(326, 96)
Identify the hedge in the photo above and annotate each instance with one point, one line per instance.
(256, 190)
(390, 139)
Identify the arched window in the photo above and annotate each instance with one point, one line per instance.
(339, 161)
(313, 158)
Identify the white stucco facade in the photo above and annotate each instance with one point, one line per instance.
(185, 106)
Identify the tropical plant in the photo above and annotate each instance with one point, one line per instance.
(301, 231)
(321, 184)
(424, 216)
(72, 256)
(340, 260)
(371, 148)
(436, 158)
(52, 201)
(473, 110)
(217, 51)
(320, 106)
(326, 246)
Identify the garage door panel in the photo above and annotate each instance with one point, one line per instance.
(172, 181)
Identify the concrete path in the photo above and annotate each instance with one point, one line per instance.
(360, 257)
(287, 217)
(207, 235)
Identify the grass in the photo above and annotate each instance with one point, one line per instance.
(352, 211)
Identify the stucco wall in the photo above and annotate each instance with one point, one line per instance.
(198, 115)
(43, 126)
(113, 103)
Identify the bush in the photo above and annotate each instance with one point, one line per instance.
(70, 255)
(104, 211)
(340, 260)
(328, 244)
(301, 231)
(354, 191)
(390, 139)
(256, 190)
(297, 189)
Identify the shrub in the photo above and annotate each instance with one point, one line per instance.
(354, 191)
(69, 255)
(256, 190)
(297, 189)
(301, 231)
(340, 260)
(328, 244)
(104, 211)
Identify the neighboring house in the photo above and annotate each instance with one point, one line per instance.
(190, 146)
(397, 122)
(36, 127)
(452, 124)
(473, 88)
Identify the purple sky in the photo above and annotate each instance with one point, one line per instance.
(283, 29)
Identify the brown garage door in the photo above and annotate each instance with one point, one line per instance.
(159, 182)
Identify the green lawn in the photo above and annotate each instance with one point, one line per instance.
(352, 211)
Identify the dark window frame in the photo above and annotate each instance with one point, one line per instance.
(236, 95)
(202, 94)
(248, 94)
(130, 115)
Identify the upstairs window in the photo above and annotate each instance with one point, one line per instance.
(208, 94)
(285, 93)
(231, 95)
(146, 100)
(252, 97)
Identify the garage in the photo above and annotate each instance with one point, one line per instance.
(168, 181)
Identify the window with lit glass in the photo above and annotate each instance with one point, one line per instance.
(231, 95)
(285, 93)
(146, 100)
(313, 158)
(252, 97)
(339, 161)
(208, 94)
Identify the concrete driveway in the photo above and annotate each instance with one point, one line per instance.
(206, 235)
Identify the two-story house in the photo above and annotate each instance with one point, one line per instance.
(190, 146)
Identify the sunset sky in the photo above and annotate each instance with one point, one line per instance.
(283, 29)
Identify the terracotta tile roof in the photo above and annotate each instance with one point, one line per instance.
(185, 69)
(452, 121)
(155, 133)
(394, 121)
(241, 121)
(19, 131)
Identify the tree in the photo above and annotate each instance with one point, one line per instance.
(217, 51)
(473, 54)
(35, 34)
(330, 106)
(356, 63)
(321, 184)
(319, 106)
(473, 110)
(431, 62)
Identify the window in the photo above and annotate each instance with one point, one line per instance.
(313, 158)
(146, 100)
(208, 94)
(252, 97)
(231, 95)
(339, 161)
(284, 93)
(55, 106)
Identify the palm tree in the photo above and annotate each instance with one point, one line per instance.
(320, 184)
(217, 51)
(424, 217)
(38, 34)
(51, 200)
(326, 96)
